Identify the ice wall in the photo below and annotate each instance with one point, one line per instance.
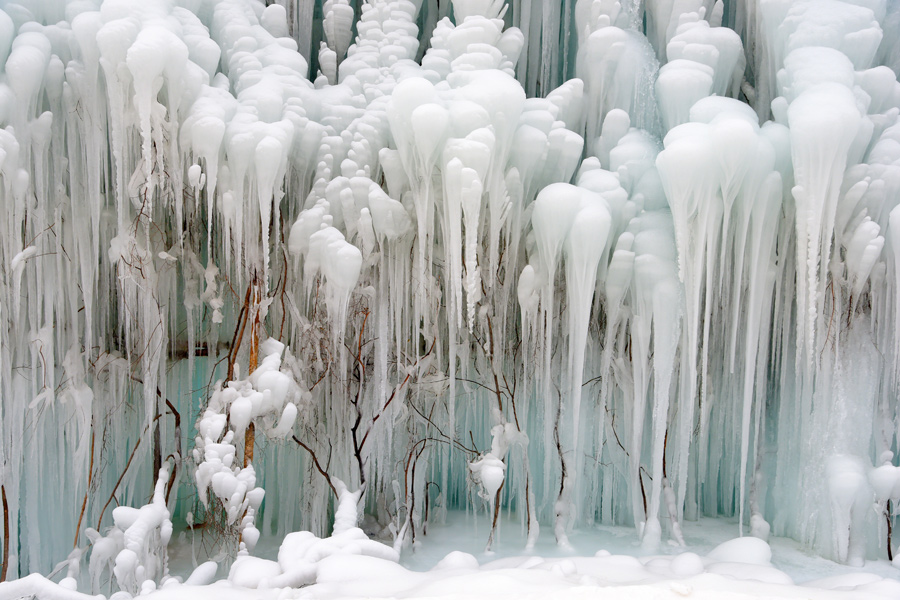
(589, 261)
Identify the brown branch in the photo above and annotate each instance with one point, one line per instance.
(559, 450)
(5, 565)
(238, 335)
(315, 310)
(283, 287)
(224, 276)
(643, 494)
(412, 495)
(665, 445)
(253, 361)
(427, 502)
(177, 416)
(157, 445)
(393, 395)
(358, 446)
(125, 470)
(383, 408)
(116, 487)
(830, 318)
(612, 426)
(494, 371)
(592, 380)
(496, 515)
(890, 528)
(472, 381)
(359, 343)
(528, 501)
(512, 400)
(157, 458)
(86, 491)
(354, 430)
(317, 465)
(409, 461)
(446, 437)
(40, 233)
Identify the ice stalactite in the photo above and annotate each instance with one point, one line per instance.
(619, 69)
(702, 61)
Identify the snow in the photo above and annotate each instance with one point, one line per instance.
(339, 567)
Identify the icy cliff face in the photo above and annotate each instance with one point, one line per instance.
(588, 261)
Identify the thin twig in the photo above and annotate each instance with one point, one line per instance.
(252, 362)
(496, 517)
(890, 528)
(317, 465)
(393, 395)
(125, 470)
(493, 371)
(5, 565)
(454, 442)
(283, 287)
(425, 521)
(412, 494)
(87, 490)
(177, 416)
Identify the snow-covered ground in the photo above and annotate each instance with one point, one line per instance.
(450, 562)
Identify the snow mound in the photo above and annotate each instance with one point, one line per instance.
(301, 558)
(746, 550)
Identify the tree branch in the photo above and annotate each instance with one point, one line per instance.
(86, 491)
(317, 465)
(5, 565)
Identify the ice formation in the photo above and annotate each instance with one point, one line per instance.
(591, 261)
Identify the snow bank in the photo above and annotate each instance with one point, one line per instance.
(348, 565)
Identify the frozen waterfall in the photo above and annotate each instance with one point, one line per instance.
(269, 266)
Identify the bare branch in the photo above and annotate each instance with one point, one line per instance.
(87, 490)
(317, 465)
(5, 565)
